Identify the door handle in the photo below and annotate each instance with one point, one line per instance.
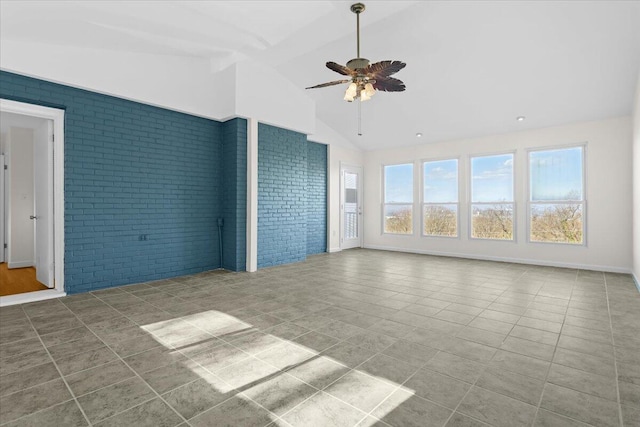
(33, 217)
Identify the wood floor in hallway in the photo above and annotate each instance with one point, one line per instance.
(18, 280)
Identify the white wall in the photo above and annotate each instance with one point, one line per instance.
(608, 217)
(636, 186)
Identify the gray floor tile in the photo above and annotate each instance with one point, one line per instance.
(315, 341)
(439, 388)
(319, 371)
(513, 385)
(116, 398)
(86, 360)
(496, 409)
(360, 390)
(520, 364)
(280, 393)
(154, 413)
(28, 401)
(235, 412)
(403, 408)
(528, 348)
(21, 361)
(18, 347)
(550, 419)
(198, 396)
(64, 414)
(93, 379)
(387, 369)
(323, 410)
(26, 378)
(414, 354)
(169, 377)
(598, 385)
(579, 406)
(372, 341)
(456, 367)
(348, 354)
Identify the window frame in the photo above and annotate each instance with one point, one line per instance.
(583, 202)
(423, 203)
(471, 203)
(384, 202)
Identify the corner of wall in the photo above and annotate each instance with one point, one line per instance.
(636, 186)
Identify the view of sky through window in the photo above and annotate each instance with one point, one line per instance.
(441, 181)
(556, 174)
(492, 178)
(398, 183)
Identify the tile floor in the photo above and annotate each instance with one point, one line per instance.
(355, 338)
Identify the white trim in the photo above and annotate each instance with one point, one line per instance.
(529, 202)
(423, 204)
(30, 297)
(470, 202)
(252, 195)
(57, 115)
(359, 171)
(412, 203)
(20, 264)
(605, 268)
(334, 250)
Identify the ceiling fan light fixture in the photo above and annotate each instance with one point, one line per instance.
(364, 96)
(369, 90)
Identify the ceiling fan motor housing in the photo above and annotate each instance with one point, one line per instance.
(357, 63)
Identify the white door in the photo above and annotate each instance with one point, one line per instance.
(350, 207)
(43, 206)
(2, 220)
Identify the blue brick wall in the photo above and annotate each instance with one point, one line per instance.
(316, 206)
(133, 169)
(282, 179)
(234, 194)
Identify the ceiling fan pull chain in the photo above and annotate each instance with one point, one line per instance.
(359, 118)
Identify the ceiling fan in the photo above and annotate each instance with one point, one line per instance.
(365, 78)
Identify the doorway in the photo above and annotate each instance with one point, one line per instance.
(350, 207)
(31, 202)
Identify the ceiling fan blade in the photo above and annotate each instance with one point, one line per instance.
(336, 82)
(384, 68)
(340, 69)
(389, 84)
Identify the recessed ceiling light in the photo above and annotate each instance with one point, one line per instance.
(419, 135)
(520, 118)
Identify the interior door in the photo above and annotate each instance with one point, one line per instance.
(43, 203)
(350, 207)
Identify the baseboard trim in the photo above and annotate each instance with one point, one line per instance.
(606, 268)
(20, 264)
(30, 297)
(334, 250)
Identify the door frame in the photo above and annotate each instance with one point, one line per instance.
(360, 171)
(57, 116)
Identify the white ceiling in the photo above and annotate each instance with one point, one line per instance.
(472, 67)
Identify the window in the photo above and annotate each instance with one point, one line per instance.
(398, 199)
(492, 205)
(556, 195)
(440, 198)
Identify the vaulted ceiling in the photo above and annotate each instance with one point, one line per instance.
(472, 67)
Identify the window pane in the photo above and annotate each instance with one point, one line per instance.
(441, 181)
(492, 221)
(398, 183)
(441, 220)
(398, 219)
(492, 178)
(561, 222)
(556, 174)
